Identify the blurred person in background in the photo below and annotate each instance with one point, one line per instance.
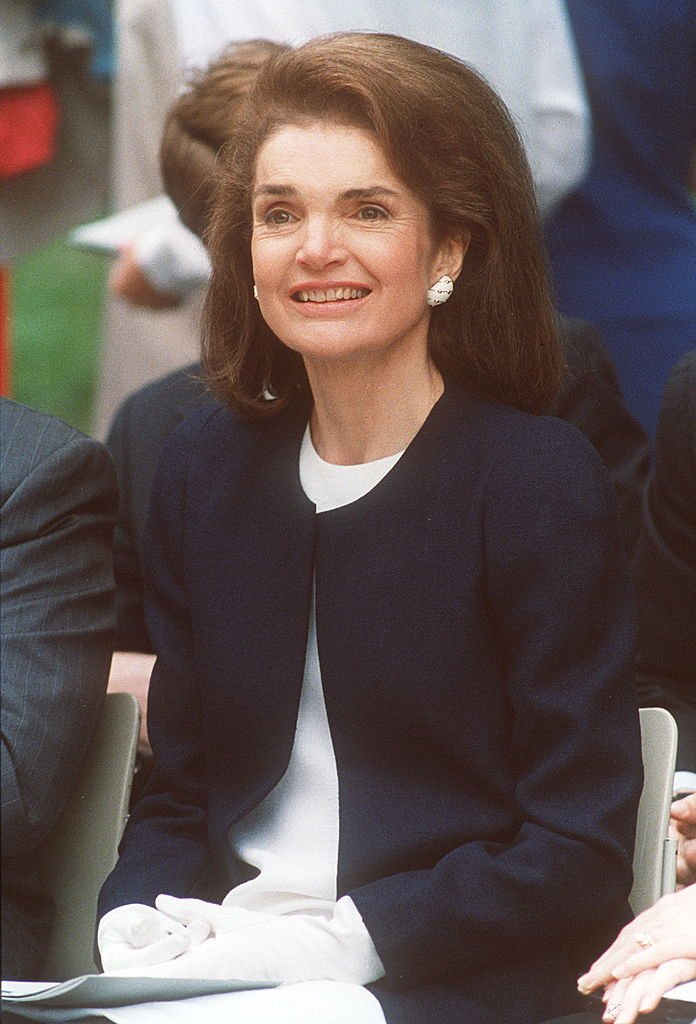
(666, 568)
(623, 244)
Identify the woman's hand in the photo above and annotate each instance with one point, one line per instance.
(650, 955)
(129, 282)
(628, 997)
(682, 827)
(136, 936)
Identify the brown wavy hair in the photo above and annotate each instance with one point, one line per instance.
(200, 122)
(450, 139)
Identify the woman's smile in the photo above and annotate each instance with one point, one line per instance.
(329, 293)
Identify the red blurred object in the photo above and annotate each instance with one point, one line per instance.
(28, 127)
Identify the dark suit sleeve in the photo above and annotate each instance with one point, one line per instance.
(560, 606)
(666, 564)
(591, 400)
(57, 626)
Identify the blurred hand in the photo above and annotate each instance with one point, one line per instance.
(637, 976)
(127, 281)
(682, 827)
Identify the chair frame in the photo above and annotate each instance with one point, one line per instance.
(82, 847)
(654, 858)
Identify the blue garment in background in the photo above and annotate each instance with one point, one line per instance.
(623, 245)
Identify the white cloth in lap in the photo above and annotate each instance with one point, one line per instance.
(323, 1002)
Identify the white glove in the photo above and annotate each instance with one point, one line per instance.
(252, 946)
(135, 936)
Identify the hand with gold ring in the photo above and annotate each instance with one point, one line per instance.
(663, 931)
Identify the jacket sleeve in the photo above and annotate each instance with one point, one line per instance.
(165, 846)
(560, 608)
(57, 629)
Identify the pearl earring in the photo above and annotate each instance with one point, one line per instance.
(439, 293)
(256, 293)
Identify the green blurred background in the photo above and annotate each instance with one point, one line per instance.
(56, 303)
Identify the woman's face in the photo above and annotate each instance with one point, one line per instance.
(342, 249)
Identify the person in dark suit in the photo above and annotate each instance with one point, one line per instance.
(622, 245)
(666, 564)
(388, 596)
(59, 502)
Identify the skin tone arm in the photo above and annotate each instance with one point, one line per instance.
(130, 673)
(128, 282)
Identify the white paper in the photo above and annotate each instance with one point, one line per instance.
(98, 991)
(687, 992)
(110, 234)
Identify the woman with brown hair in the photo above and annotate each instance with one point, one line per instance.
(388, 599)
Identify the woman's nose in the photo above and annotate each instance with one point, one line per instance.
(320, 244)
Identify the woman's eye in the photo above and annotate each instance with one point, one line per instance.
(278, 217)
(372, 213)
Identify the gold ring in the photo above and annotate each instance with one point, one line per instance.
(644, 940)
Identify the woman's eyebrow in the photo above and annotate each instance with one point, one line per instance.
(373, 192)
(274, 190)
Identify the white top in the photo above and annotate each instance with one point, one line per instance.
(292, 836)
(523, 47)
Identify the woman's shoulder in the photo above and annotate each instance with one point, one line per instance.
(512, 434)
(523, 458)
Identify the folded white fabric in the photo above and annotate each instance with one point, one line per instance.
(256, 946)
(135, 936)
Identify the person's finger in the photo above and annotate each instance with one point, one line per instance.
(632, 997)
(680, 945)
(601, 971)
(667, 975)
(612, 998)
(684, 810)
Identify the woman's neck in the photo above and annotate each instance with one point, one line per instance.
(362, 413)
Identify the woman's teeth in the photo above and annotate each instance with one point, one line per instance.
(330, 294)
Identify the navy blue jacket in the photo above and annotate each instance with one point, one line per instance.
(476, 639)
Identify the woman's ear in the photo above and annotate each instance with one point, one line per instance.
(450, 255)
